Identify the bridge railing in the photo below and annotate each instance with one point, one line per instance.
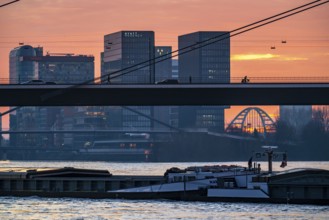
(260, 79)
(182, 80)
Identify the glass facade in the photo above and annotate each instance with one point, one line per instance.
(174, 66)
(66, 69)
(123, 50)
(207, 64)
(21, 70)
(27, 63)
(163, 69)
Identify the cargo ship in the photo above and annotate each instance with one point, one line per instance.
(204, 183)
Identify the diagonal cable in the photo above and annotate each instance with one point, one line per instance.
(191, 47)
(202, 44)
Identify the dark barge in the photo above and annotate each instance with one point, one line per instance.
(300, 186)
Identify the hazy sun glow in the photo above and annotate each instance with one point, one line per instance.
(237, 57)
(268, 56)
(79, 27)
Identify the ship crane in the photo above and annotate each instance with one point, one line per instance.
(270, 154)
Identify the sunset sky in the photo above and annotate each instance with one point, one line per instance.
(78, 26)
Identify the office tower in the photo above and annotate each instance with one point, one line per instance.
(28, 63)
(174, 66)
(102, 63)
(122, 50)
(173, 111)
(20, 69)
(125, 49)
(163, 69)
(66, 68)
(208, 64)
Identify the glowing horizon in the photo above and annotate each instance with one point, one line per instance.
(79, 27)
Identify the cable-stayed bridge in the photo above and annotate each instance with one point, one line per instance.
(160, 95)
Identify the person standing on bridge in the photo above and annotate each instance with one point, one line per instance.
(108, 79)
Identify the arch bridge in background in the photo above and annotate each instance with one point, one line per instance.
(251, 120)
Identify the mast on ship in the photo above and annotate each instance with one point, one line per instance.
(269, 151)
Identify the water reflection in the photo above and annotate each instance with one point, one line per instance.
(66, 208)
(72, 208)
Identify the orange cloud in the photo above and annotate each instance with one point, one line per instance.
(267, 56)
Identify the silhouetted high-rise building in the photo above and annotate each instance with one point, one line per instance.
(163, 69)
(127, 48)
(66, 68)
(174, 109)
(21, 69)
(28, 63)
(208, 64)
(174, 68)
(122, 50)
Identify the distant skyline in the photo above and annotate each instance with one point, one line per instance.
(79, 27)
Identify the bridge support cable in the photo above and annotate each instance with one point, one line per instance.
(195, 46)
(8, 3)
(218, 38)
(10, 110)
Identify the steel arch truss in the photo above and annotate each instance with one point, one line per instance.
(237, 124)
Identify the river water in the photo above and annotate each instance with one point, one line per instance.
(72, 208)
